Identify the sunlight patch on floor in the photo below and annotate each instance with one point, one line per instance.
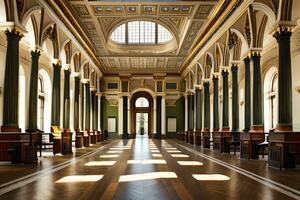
(211, 177)
(151, 161)
(147, 176)
(100, 163)
(109, 156)
(80, 178)
(154, 151)
(173, 151)
(114, 151)
(156, 155)
(179, 155)
(170, 148)
(190, 163)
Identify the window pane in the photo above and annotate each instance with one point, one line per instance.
(149, 32)
(119, 34)
(163, 35)
(134, 32)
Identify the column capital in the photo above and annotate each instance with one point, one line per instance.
(255, 53)
(66, 66)
(55, 61)
(198, 87)
(76, 74)
(12, 27)
(225, 69)
(35, 53)
(216, 75)
(85, 80)
(284, 28)
(206, 80)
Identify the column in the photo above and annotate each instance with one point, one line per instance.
(102, 113)
(129, 117)
(257, 110)
(247, 94)
(199, 109)
(66, 116)
(163, 116)
(154, 116)
(94, 109)
(87, 106)
(186, 117)
(125, 117)
(33, 93)
(206, 106)
(158, 117)
(76, 102)
(190, 99)
(11, 82)
(82, 105)
(225, 109)
(216, 103)
(235, 98)
(55, 115)
(285, 109)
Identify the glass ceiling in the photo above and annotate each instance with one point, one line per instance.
(141, 32)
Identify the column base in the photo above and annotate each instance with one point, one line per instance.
(6, 128)
(256, 129)
(284, 128)
(249, 144)
(198, 137)
(222, 141)
(284, 150)
(191, 136)
(206, 138)
(125, 136)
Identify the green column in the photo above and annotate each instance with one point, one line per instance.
(66, 119)
(216, 103)
(206, 106)
(199, 101)
(285, 109)
(87, 106)
(33, 93)
(76, 103)
(158, 116)
(235, 98)
(93, 96)
(257, 100)
(190, 111)
(82, 105)
(125, 117)
(247, 94)
(11, 83)
(225, 109)
(55, 115)
(102, 121)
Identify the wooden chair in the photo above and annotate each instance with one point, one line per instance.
(78, 139)
(93, 136)
(86, 138)
(56, 138)
(98, 136)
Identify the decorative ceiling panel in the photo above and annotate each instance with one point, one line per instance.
(99, 18)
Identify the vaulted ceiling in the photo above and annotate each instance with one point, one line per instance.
(98, 18)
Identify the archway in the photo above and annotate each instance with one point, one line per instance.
(141, 114)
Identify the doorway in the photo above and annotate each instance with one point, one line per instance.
(141, 116)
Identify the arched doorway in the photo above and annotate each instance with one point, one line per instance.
(141, 114)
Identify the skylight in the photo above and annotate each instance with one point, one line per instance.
(141, 32)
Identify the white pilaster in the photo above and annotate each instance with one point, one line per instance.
(120, 115)
(154, 114)
(185, 113)
(128, 116)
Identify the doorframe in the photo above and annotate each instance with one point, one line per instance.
(135, 110)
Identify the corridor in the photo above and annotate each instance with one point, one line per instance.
(151, 169)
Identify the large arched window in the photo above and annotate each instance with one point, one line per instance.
(273, 101)
(41, 103)
(142, 102)
(141, 32)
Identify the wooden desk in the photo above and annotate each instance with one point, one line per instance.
(222, 141)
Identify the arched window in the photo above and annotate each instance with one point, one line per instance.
(142, 102)
(41, 103)
(141, 32)
(273, 101)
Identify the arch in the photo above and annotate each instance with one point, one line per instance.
(66, 50)
(265, 9)
(76, 61)
(209, 64)
(218, 58)
(85, 70)
(22, 98)
(148, 110)
(3, 14)
(47, 83)
(50, 32)
(27, 15)
(270, 101)
(199, 73)
(48, 47)
(30, 37)
(243, 45)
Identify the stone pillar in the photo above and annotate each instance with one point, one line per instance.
(76, 102)
(125, 118)
(216, 103)
(186, 113)
(190, 98)
(33, 93)
(225, 109)
(158, 116)
(199, 101)
(163, 116)
(11, 83)
(102, 120)
(206, 106)
(235, 98)
(247, 94)
(87, 106)
(55, 115)
(257, 100)
(82, 105)
(94, 109)
(66, 116)
(285, 109)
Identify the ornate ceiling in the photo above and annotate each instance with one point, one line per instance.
(99, 18)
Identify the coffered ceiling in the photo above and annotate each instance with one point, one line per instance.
(99, 18)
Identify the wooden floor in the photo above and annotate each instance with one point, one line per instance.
(147, 169)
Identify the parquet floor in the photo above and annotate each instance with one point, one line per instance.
(152, 169)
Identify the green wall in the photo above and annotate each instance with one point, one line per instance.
(175, 111)
(110, 110)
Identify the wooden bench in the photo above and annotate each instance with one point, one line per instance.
(86, 138)
(93, 136)
(78, 139)
(62, 140)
